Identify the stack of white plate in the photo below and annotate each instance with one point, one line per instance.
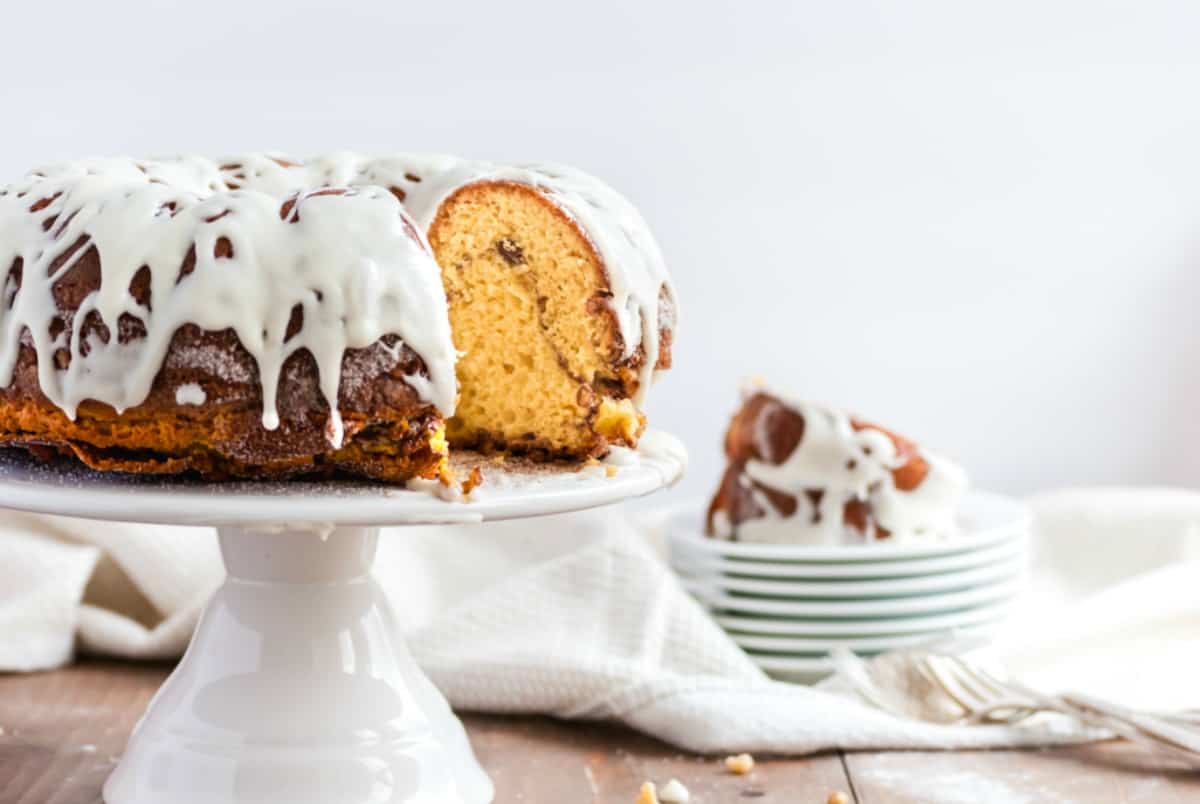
(789, 606)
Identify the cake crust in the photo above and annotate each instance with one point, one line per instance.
(390, 434)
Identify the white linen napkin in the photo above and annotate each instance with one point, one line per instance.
(575, 616)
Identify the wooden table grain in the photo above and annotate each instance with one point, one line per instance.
(62, 733)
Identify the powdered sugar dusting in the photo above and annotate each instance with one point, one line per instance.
(955, 783)
(362, 366)
(510, 489)
(218, 364)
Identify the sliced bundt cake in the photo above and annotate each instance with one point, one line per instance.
(262, 316)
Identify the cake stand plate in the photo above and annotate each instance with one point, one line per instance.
(297, 686)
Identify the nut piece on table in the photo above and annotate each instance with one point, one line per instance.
(648, 794)
(740, 764)
(674, 792)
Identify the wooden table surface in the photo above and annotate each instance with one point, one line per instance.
(63, 732)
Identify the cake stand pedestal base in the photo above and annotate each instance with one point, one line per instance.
(298, 688)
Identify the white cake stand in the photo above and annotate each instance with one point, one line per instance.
(296, 686)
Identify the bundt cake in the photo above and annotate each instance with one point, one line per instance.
(260, 316)
(800, 473)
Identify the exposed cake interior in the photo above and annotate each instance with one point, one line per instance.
(539, 365)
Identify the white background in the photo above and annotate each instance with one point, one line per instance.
(976, 223)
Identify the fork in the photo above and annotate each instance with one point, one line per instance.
(983, 695)
(972, 694)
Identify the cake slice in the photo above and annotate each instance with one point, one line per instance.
(801, 473)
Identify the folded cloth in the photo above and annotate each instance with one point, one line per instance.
(576, 616)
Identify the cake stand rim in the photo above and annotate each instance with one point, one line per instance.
(33, 487)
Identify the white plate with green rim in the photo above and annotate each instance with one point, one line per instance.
(687, 560)
(926, 585)
(820, 627)
(984, 519)
(824, 645)
(794, 669)
(857, 609)
(815, 665)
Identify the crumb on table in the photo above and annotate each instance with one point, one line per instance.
(740, 764)
(648, 794)
(674, 792)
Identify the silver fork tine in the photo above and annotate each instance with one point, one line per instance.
(1019, 702)
(979, 695)
(952, 684)
(985, 690)
(995, 701)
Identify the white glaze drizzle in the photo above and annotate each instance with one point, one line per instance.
(190, 394)
(353, 262)
(844, 463)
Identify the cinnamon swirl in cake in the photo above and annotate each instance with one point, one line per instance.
(801, 473)
(260, 316)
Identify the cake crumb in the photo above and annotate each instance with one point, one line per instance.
(838, 797)
(610, 471)
(648, 794)
(619, 421)
(674, 792)
(473, 480)
(190, 394)
(740, 764)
